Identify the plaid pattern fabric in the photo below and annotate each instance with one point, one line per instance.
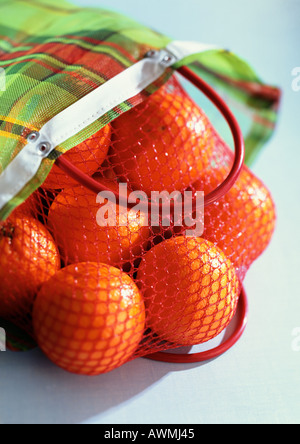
(50, 67)
(54, 53)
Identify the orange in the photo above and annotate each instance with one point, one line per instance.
(37, 205)
(162, 144)
(88, 156)
(89, 318)
(28, 258)
(73, 219)
(242, 222)
(190, 290)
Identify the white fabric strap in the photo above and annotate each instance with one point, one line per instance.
(94, 105)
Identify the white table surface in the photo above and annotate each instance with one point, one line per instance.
(258, 381)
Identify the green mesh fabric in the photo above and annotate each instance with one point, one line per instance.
(54, 53)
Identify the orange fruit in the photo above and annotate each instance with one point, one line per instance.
(89, 318)
(190, 290)
(73, 219)
(217, 170)
(162, 144)
(242, 222)
(28, 258)
(88, 156)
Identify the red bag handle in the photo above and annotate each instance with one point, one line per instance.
(185, 358)
(212, 197)
(238, 138)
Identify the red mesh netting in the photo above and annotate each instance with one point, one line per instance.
(97, 296)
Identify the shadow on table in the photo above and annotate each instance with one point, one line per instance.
(35, 391)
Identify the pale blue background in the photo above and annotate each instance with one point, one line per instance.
(258, 381)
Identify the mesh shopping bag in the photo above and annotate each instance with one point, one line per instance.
(128, 224)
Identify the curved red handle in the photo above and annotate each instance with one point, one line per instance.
(215, 352)
(215, 195)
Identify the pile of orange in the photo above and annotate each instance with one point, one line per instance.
(98, 294)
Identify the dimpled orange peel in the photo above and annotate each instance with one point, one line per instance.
(242, 222)
(162, 144)
(190, 289)
(89, 318)
(28, 258)
(88, 156)
(73, 220)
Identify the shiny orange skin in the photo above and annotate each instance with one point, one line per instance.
(28, 258)
(242, 223)
(89, 318)
(88, 156)
(73, 222)
(190, 290)
(162, 144)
